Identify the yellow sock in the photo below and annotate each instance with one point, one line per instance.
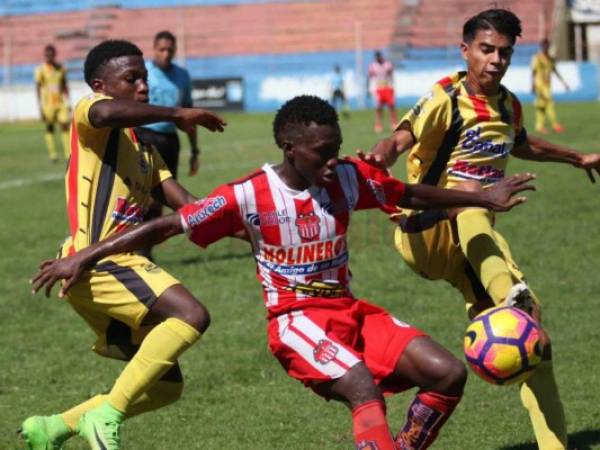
(50, 145)
(65, 143)
(71, 417)
(539, 395)
(540, 118)
(551, 113)
(157, 354)
(481, 250)
(161, 394)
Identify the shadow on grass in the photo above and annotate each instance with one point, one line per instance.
(582, 440)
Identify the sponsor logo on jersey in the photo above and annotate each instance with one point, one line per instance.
(305, 258)
(471, 171)
(475, 144)
(309, 226)
(325, 351)
(126, 213)
(268, 218)
(318, 288)
(209, 207)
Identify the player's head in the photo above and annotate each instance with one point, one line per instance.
(49, 53)
(337, 69)
(378, 56)
(306, 128)
(545, 45)
(116, 68)
(165, 46)
(487, 47)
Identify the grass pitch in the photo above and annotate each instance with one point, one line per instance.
(237, 395)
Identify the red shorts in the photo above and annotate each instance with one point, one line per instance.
(322, 343)
(385, 96)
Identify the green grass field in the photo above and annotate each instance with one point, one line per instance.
(237, 396)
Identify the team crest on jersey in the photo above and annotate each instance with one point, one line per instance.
(367, 445)
(309, 226)
(325, 351)
(143, 164)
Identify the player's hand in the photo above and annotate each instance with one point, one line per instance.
(371, 158)
(590, 162)
(194, 164)
(502, 195)
(186, 119)
(53, 270)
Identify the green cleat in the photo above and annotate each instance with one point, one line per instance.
(44, 432)
(101, 427)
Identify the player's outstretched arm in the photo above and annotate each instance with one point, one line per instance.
(119, 113)
(172, 194)
(385, 153)
(538, 149)
(70, 268)
(500, 197)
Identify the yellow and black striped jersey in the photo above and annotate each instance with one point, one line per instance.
(51, 80)
(109, 178)
(460, 136)
(543, 66)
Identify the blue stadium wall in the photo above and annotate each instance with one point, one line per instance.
(269, 80)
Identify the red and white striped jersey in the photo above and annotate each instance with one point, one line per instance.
(298, 237)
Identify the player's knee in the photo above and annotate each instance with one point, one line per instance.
(357, 386)
(456, 377)
(197, 316)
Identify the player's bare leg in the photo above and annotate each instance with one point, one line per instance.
(393, 117)
(441, 378)
(358, 390)
(378, 119)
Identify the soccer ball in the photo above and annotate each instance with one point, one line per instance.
(502, 345)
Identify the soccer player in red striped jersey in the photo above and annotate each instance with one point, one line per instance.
(461, 135)
(296, 215)
(139, 312)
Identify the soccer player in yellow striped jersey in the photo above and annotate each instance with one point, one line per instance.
(138, 311)
(542, 68)
(53, 98)
(461, 135)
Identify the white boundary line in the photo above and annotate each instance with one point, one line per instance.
(19, 182)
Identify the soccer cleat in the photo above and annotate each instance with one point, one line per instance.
(378, 128)
(520, 297)
(101, 427)
(558, 128)
(44, 432)
(541, 130)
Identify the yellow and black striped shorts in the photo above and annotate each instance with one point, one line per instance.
(426, 243)
(115, 296)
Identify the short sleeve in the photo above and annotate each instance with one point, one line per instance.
(161, 171)
(87, 133)
(376, 188)
(212, 218)
(430, 117)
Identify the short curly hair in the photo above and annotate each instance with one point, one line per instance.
(102, 53)
(502, 20)
(303, 110)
